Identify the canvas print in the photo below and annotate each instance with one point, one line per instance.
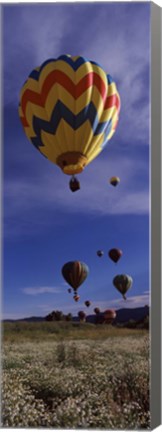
(76, 158)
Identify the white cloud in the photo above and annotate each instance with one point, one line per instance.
(37, 38)
(29, 201)
(40, 290)
(44, 309)
(131, 302)
(121, 49)
(14, 316)
(124, 53)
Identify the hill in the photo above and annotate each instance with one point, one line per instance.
(122, 316)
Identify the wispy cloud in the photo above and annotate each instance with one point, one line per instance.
(40, 290)
(123, 52)
(45, 308)
(131, 302)
(29, 201)
(39, 35)
(110, 38)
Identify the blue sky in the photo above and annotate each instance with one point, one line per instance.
(44, 223)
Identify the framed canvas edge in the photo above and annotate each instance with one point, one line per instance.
(155, 222)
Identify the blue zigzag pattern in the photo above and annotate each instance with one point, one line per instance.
(60, 111)
(75, 65)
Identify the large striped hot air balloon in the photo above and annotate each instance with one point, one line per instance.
(75, 273)
(69, 109)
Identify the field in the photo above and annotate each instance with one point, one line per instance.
(75, 375)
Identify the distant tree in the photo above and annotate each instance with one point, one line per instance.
(58, 316)
(55, 316)
(99, 318)
(49, 317)
(68, 317)
(146, 322)
(131, 324)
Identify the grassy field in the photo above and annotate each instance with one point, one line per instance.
(72, 375)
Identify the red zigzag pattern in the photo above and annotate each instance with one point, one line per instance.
(75, 90)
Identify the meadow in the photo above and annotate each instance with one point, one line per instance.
(75, 375)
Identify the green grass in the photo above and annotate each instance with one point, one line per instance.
(19, 331)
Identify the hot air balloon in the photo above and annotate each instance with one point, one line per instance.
(75, 273)
(82, 316)
(87, 303)
(122, 283)
(114, 181)
(100, 253)
(76, 297)
(69, 108)
(109, 316)
(96, 310)
(115, 254)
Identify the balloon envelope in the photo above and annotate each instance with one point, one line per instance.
(87, 303)
(100, 253)
(123, 283)
(109, 315)
(75, 273)
(96, 310)
(69, 109)
(82, 316)
(114, 181)
(115, 254)
(76, 298)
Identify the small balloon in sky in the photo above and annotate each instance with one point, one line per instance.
(87, 303)
(76, 298)
(100, 253)
(114, 181)
(115, 254)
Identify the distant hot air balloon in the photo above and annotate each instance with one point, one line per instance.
(75, 273)
(69, 109)
(115, 254)
(76, 297)
(87, 303)
(109, 315)
(100, 253)
(114, 181)
(69, 290)
(122, 283)
(96, 310)
(82, 316)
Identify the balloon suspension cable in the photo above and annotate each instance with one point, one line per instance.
(124, 297)
(74, 184)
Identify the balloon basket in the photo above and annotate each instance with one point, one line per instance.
(74, 184)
